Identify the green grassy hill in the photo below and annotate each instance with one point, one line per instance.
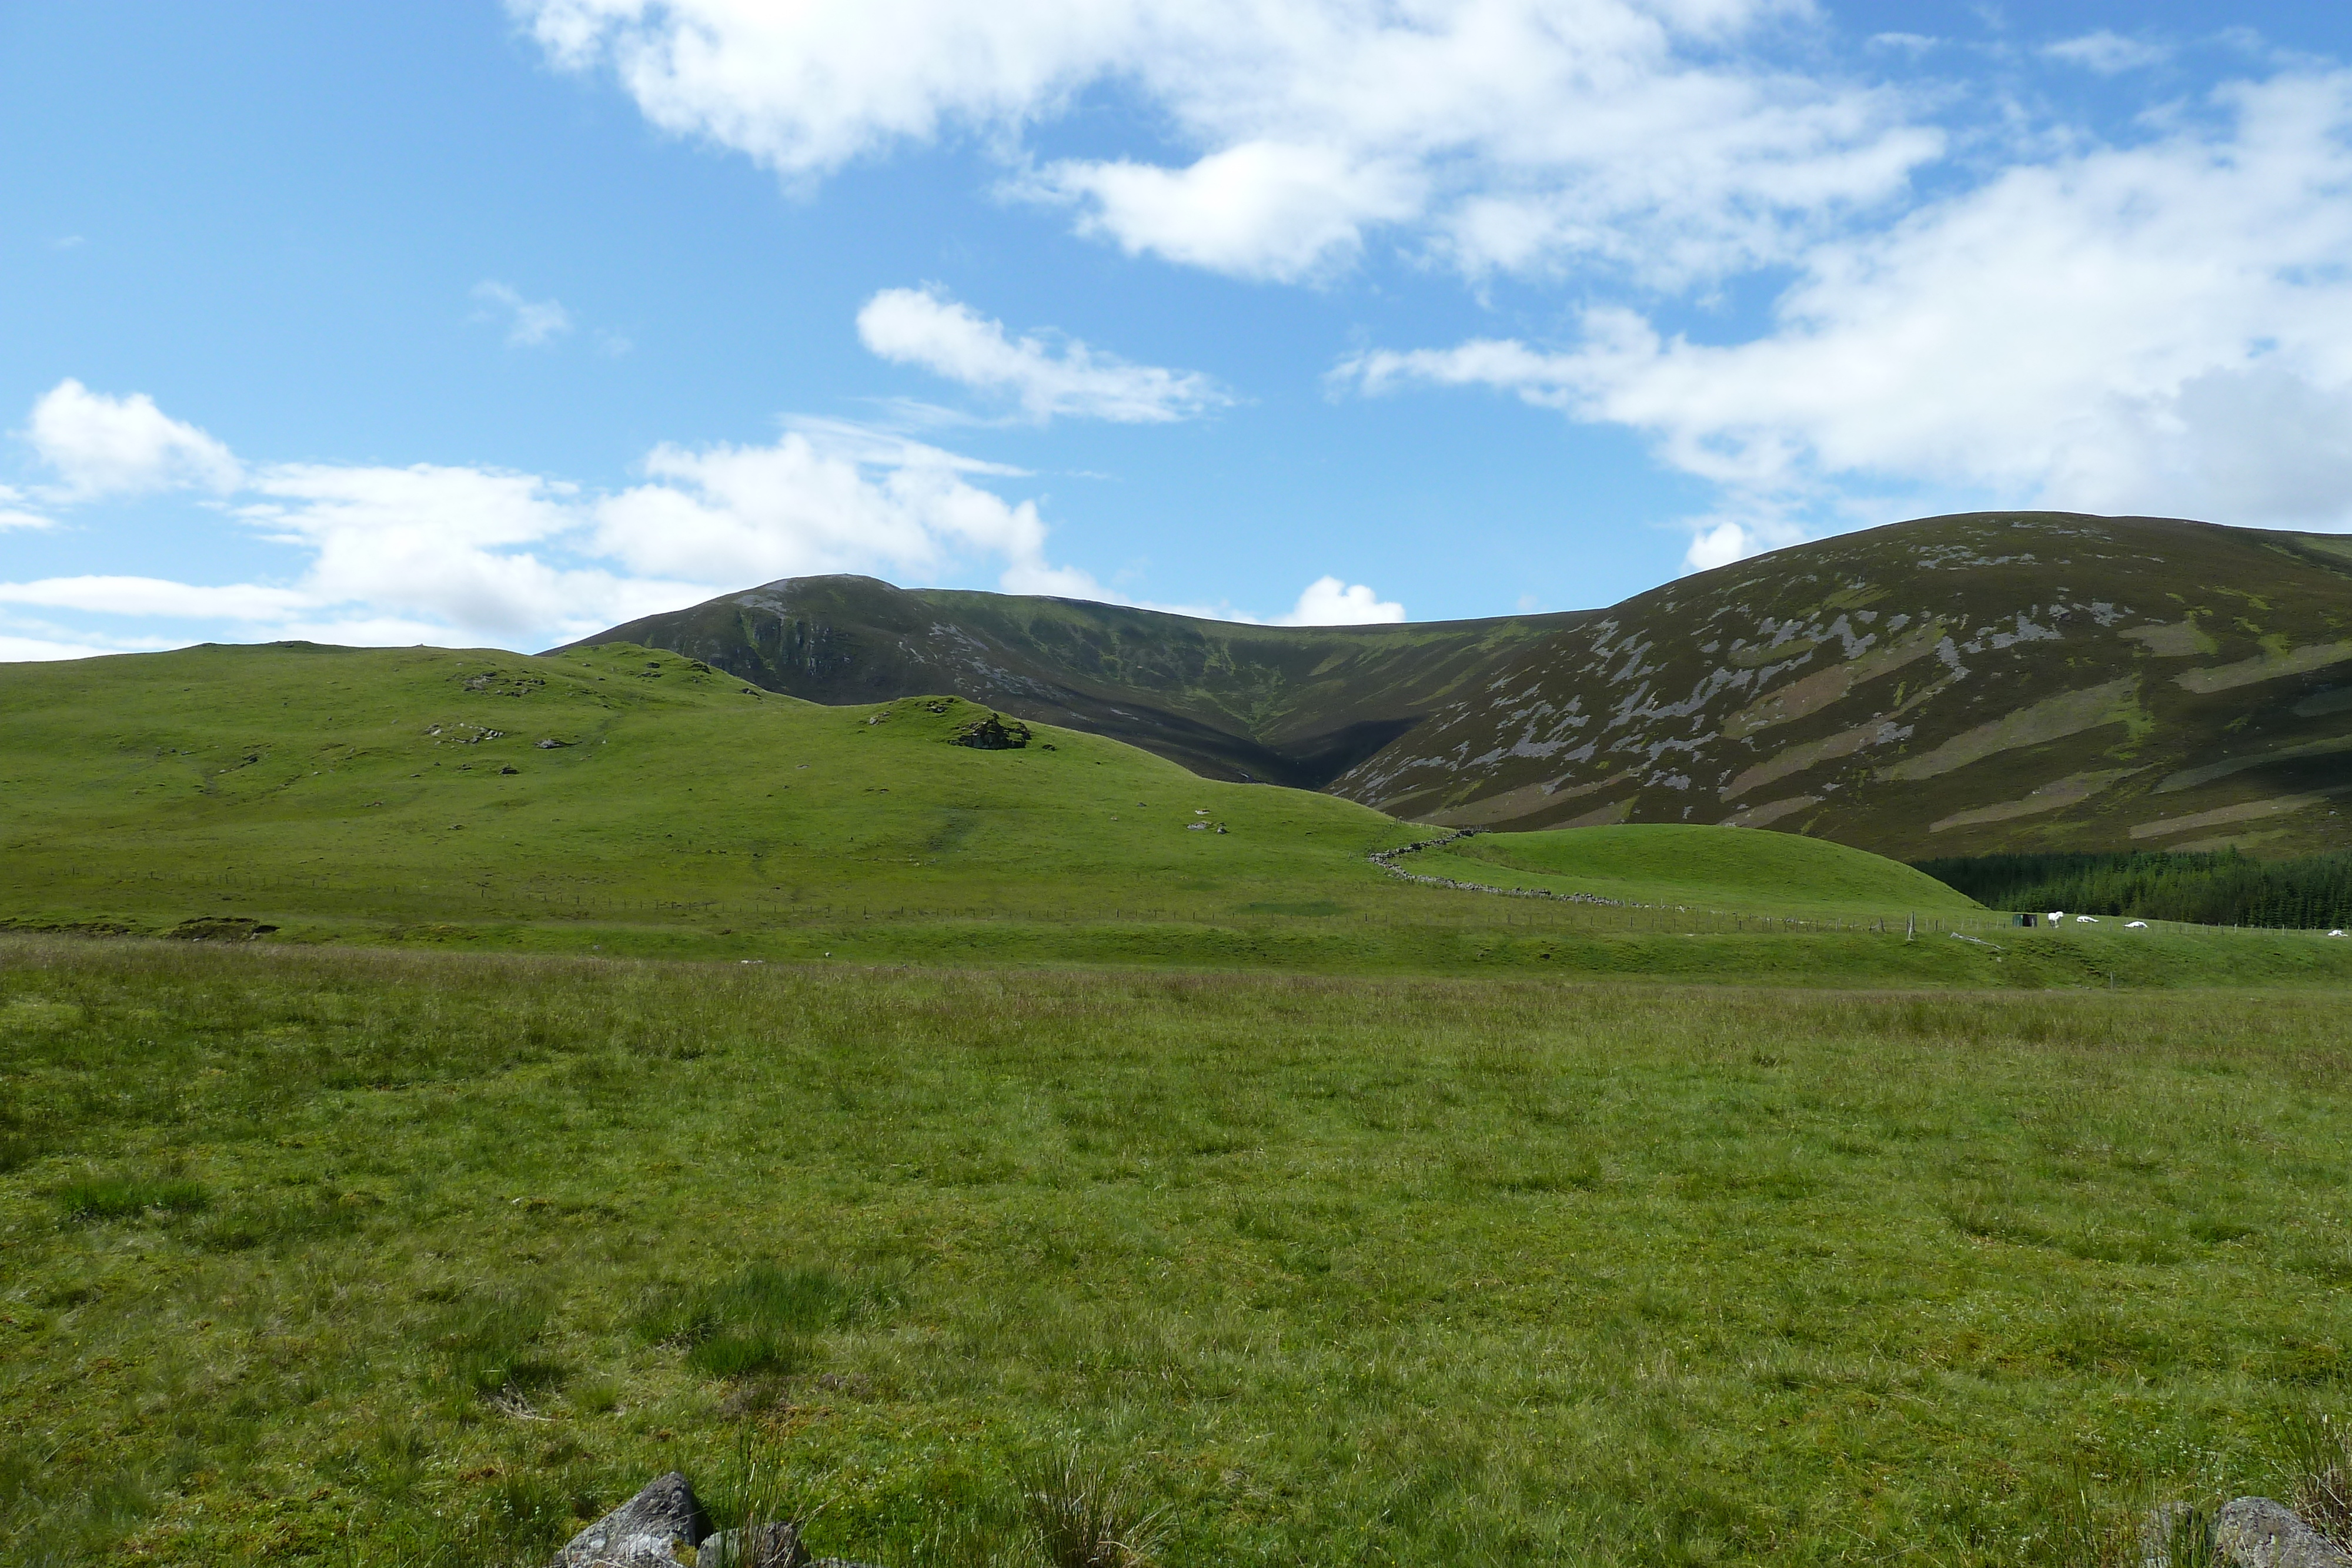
(1712, 868)
(632, 801)
(1961, 686)
(426, 783)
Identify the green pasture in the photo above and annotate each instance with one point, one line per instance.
(1704, 868)
(619, 800)
(363, 1257)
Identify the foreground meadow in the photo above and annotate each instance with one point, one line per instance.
(384, 1256)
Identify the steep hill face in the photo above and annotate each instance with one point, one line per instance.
(1265, 704)
(1949, 686)
(1952, 685)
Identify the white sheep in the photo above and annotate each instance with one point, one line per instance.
(2137, 926)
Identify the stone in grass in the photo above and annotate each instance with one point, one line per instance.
(2255, 1533)
(992, 734)
(643, 1532)
(773, 1545)
(2250, 1533)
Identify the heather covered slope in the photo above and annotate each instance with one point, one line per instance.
(1953, 686)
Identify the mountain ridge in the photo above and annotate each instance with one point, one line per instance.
(1970, 684)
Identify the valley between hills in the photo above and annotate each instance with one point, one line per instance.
(1958, 685)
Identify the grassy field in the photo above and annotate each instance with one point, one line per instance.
(405, 797)
(1707, 868)
(375, 1256)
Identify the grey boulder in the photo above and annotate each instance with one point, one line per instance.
(756, 1546)
(645, 1531)
(2255, 1533)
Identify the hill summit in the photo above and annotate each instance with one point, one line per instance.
(1951, 686)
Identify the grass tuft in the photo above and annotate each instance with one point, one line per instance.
(2322, 1488)
(488, 1341)
(758, 1322)
(1084, 1521)
(103, 1197)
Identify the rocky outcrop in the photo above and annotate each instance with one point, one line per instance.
(664, 1526)
(992, 734)
(2246, 1532)
(2255, 1533)
(645, 1531)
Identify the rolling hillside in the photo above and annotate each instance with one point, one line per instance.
(622, 800)
(619, 783)
(1949, 686)
(1295, 705)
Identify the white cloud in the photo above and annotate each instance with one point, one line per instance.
(1719, 539)
(42, 650)
(530, 323)
(921, 327)
(102, 445)
(1261, 209)
(152, 596)
(2107, 53)
(441, 546)
(1329, 601)
(441, 554)
(821, 500)
(2163, 326)
(1502, 133)
(13, 514)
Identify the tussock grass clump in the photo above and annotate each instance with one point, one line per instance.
(2322, 1488)
(1085, 1521)
(489, 1341)
(759, 1320)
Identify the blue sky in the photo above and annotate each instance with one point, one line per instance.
(465, 322)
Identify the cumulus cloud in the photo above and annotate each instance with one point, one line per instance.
(1719, 539)
(1261, 209)
(1330, 601)
(530, 323)
(922, 327)
(811, 503)
(441, 554)
(102, 445)
(1500, 133)
(2162, 326)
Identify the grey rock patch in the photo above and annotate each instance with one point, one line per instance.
(643, 1532)
(2255, 1533)
(992, 734)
